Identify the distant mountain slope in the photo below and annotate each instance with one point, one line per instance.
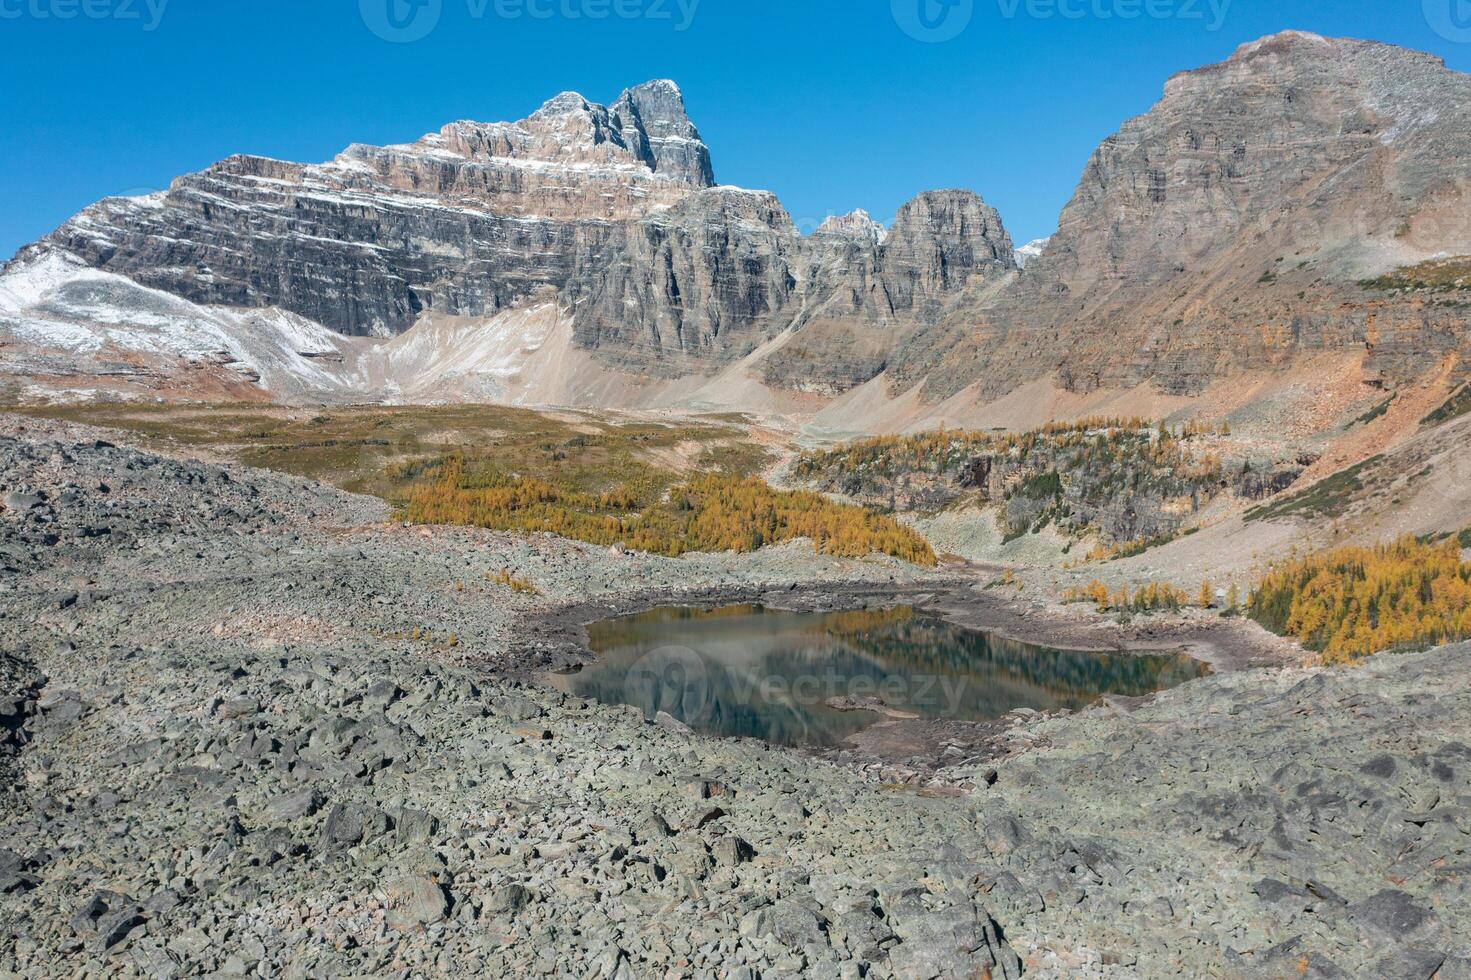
(1030, 251)
(1226, 230)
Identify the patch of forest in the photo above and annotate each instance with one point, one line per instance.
(1353, 602)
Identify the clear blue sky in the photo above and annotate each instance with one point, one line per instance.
(829, 103)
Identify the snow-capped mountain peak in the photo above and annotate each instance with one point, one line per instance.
(1031, 250)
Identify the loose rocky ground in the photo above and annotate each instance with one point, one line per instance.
(253, 729)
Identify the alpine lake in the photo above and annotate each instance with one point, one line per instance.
(815, 679)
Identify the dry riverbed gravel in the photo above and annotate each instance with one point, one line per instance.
(252, 727)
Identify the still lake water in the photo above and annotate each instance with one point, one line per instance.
(744, 671)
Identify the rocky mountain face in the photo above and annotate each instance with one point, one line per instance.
(701, 282)
(866, 291)
(467, 221)
(1227, 231)
(614, 208)
(1247, 221)
(858, 223)
(714, 277)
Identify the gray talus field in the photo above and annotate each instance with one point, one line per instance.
(253, 728)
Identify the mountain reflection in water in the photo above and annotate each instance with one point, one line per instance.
(744, 671)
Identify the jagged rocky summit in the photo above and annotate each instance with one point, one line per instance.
(612, 208)
(1031, 250)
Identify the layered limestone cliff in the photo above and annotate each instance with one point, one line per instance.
(867, 289)
(613, 208)
(725, 271)
(467, 221)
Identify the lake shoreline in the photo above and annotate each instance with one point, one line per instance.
(918, 751)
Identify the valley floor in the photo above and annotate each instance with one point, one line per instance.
(256, 728)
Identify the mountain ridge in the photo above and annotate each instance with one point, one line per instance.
(1225, 231)
(615, 208)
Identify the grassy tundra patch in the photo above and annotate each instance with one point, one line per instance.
(1436, 275)
(668, 487)
(1329, 497)
(382, 450)
(712, 512)
(1377, 412)
(1457, 405)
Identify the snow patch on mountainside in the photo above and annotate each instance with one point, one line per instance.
(61, 317)
(52, 305)
(25, 283)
